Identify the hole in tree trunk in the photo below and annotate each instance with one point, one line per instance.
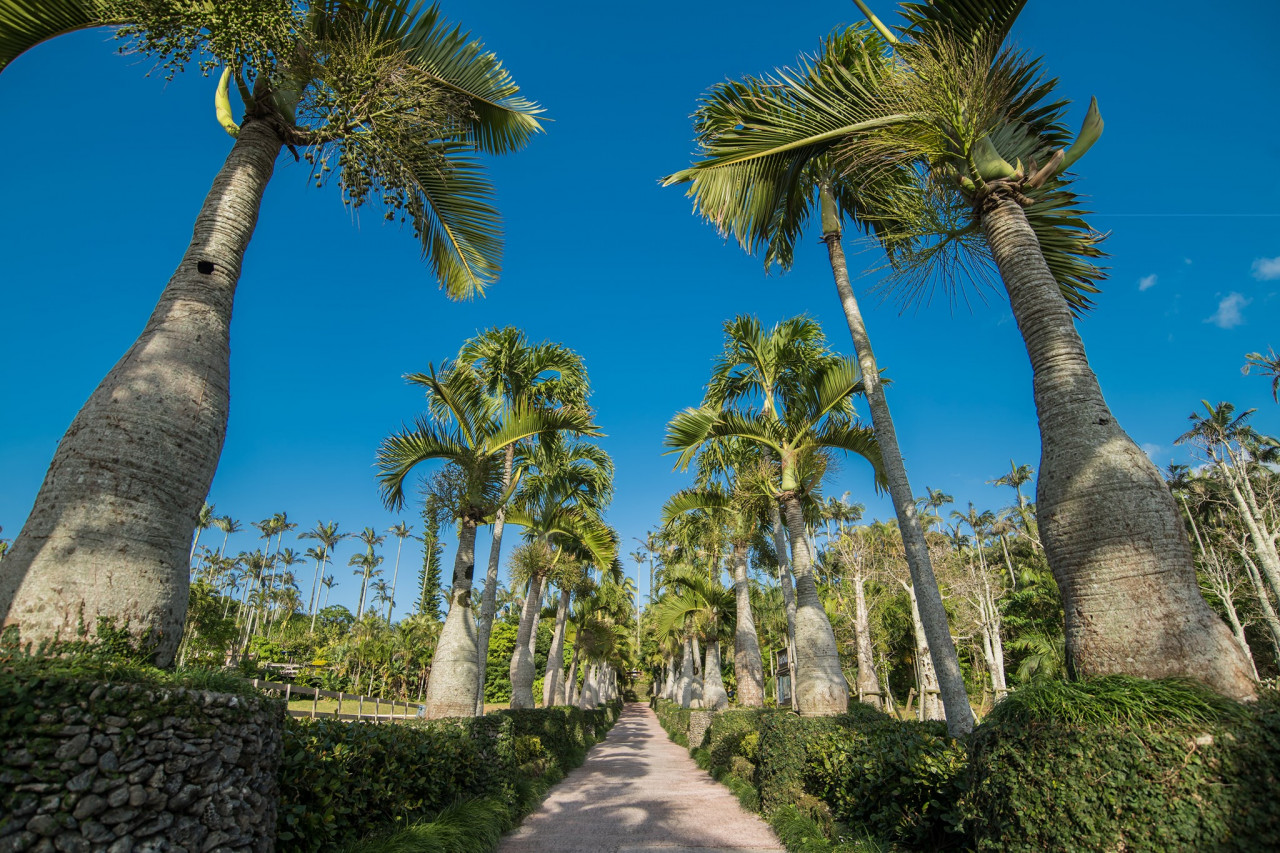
(205, 267)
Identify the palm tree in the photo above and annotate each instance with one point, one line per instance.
(939, 144)
(740, 518)
(796, 186)
(203, 522)
(705, 609)
(1268, 365)
(563, 491)
(402, 532)
(517, 373)
(385, 94)
(814, 419)
(472, 433)
(227, 525)
(368, 562)
(328, 537)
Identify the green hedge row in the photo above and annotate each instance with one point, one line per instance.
(674, 719)
(1115, 764)
(344, 781)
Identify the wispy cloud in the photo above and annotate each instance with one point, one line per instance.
(1229, 313)
(1147, 282)
(1153, 451)
(1266, 269)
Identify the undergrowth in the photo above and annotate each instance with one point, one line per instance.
(468, 826)
(1117, 700)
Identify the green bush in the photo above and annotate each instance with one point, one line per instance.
(732, 735)
(1125, 764)
(339, 780)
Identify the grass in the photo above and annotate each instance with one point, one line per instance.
(1117, 700)
(470, 826)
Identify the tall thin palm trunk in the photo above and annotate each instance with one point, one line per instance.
(1110, 529)
(553, 681)
(930, 707)
(942, 648)
(820, 686)
(747, 665)
(451, 688)
(868, 684)
(108, 534)
(488, 604)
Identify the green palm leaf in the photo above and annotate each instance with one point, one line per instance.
(399, 453)
(26, 23)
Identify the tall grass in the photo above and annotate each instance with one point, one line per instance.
(470, 826)
(1117, 700)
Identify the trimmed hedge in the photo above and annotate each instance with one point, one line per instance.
(344, 781)
(1041, 780)
(1103, 765)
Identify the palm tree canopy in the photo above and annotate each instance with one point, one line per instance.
(406, 140)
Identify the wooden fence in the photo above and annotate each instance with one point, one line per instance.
(370, 709)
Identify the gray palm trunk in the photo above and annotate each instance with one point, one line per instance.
(590, 691)
(488, 604)
(1264, 540)
(108, 534)
(391, 600)
(747, 665)
(684, 681)
(1220, 581)
(783, 549)
(942, 647)
(868, 684)
(930, 706)
(521, 669)
(820, 686)
(696, 681)
(571, 680)
(553, 681)
(1268, 612)
(451, 688)
(714, 696)
(1109, 526)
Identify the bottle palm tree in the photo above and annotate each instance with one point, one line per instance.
(958, 149)
(472, 433)
(385, 94)
(701, 608)
(515, 372)
(813, 419)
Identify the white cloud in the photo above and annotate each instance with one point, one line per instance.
(1147, 282)
(1187, 261)
(1153, 451)
(1266, 269)
(1228, 315)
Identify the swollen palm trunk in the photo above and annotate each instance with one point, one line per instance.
(714, 696)
(747, 666)
(684, 684)
(1110, 529)
(820, 687)
(451, 690)
(108, 535)
(521, 670)
(553, 681)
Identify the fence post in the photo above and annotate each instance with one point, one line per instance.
(338, 713)
(315, 700)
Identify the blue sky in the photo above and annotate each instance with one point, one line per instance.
(106, 168)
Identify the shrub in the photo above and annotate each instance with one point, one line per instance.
(341, 780)
(899, 780)
(1123, 763)
(675, 720)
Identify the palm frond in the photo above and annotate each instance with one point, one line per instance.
(26, 23)
(399, 453)
(502, 119)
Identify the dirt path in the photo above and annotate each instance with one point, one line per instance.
(638, 791)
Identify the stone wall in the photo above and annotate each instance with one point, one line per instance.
(699, 722)
(131, 769)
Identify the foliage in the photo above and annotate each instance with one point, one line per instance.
(1161, 769)
(344, 781)
(467, 826)
(675, 720)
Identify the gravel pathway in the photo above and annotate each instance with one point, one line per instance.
(637, 791)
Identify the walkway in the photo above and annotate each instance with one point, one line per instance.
(637, 792)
